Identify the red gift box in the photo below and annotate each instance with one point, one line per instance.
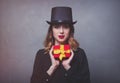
(61, 51)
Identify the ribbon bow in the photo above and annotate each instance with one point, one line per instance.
(61, 51)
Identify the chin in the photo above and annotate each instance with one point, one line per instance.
(61, 41)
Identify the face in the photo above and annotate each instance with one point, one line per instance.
(60, 33)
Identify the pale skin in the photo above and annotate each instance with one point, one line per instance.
(64, 30)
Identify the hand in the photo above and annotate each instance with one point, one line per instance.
(55, 63)
(66, 63)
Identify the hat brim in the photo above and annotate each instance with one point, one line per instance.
(61, 22)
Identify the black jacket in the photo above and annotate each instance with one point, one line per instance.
(78, 73)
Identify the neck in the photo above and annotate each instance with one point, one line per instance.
(59, 43)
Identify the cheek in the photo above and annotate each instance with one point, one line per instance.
(54, 33)
(67, 33)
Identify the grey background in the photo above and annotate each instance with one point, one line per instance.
(23, 28)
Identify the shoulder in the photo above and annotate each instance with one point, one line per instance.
(40, 53)
(79, 51)
(80, 56)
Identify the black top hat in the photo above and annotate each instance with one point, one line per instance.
(61, 15)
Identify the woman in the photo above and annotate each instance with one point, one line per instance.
(74, 69)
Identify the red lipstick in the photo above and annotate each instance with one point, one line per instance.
(61, 36)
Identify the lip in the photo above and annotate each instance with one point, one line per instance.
(61, 36)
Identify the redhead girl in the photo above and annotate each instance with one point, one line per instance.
(46, 68)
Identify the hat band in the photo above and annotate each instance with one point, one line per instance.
(61, 21)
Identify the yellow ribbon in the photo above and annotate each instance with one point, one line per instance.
(61, 51)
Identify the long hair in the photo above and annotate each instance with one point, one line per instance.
(49, 41)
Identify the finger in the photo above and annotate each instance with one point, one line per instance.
(51, 54)
(51, 50)
(70, 58)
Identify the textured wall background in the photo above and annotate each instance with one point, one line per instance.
(23, 29)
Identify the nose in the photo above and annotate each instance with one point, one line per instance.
(61, 30)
